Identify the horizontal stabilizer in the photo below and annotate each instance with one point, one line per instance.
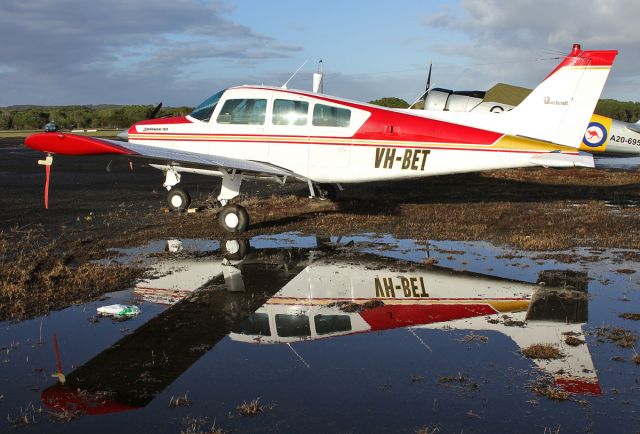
(634, 127)
(554, 159)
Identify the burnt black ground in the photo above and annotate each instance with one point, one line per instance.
(82, 187)
(79, 186)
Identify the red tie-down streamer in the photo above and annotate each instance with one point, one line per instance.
(47, 162)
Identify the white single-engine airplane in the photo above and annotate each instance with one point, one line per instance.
(275, 133)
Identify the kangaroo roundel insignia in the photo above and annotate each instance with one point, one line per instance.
(595, 135)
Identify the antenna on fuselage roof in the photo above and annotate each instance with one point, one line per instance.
(284, 86)
(318, 83)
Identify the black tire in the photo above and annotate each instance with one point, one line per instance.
(234, 250)
(497, 109)
(178, 199)
(328, 191)
(233, 219)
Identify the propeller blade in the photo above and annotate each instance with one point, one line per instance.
(155, 111)
(426, 89)
(124, 134)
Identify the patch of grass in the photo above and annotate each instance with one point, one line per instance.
(253, 407)
(573, 341)
(64, 415)
(542, 351)
(545, 387)
(429, 429)
(621, 337)
(631, 316)
(352, 307)
(40, 275)
(474, 338)
(197, 425)
(460, 380)
(28, 416)
(179, 401)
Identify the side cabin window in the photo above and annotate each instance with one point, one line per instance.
(243, 112)
(329, 116)
(288, 112)
(292, 325)
(256, 324)
(326, 324)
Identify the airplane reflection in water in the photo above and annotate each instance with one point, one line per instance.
(282, 296)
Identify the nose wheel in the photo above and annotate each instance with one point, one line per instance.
(233, 218)
(178, 199)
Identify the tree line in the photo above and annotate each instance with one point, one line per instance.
(118, 117)
(81, 117)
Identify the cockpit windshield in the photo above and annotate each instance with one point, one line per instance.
(205, 109)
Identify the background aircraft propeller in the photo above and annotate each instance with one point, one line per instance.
(426, 89)
(124, 134)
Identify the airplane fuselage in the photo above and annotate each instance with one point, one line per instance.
(333, 140)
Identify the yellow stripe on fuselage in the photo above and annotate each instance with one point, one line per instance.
(497, 305)
(505, 143)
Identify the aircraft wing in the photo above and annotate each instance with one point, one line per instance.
(177, 156)
(72, 144)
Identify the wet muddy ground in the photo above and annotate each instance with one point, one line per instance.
(412, 352)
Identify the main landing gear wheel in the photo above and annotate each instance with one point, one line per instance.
(234, 249)
(234, 218)
(327, 191)
(178, 199)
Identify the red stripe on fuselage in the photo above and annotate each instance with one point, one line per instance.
(578, 386)
(389, 316)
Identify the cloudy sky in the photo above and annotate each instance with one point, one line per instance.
(58, 52)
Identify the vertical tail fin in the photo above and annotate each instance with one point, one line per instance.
(559, 109)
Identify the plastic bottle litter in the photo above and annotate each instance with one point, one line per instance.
(120, 310)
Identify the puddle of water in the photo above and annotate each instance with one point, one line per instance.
(351, 334)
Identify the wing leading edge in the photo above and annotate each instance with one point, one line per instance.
(72, 144)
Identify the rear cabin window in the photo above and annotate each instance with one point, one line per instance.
(243, 112)
(328, 116)
(288, 112)
(326, 324)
